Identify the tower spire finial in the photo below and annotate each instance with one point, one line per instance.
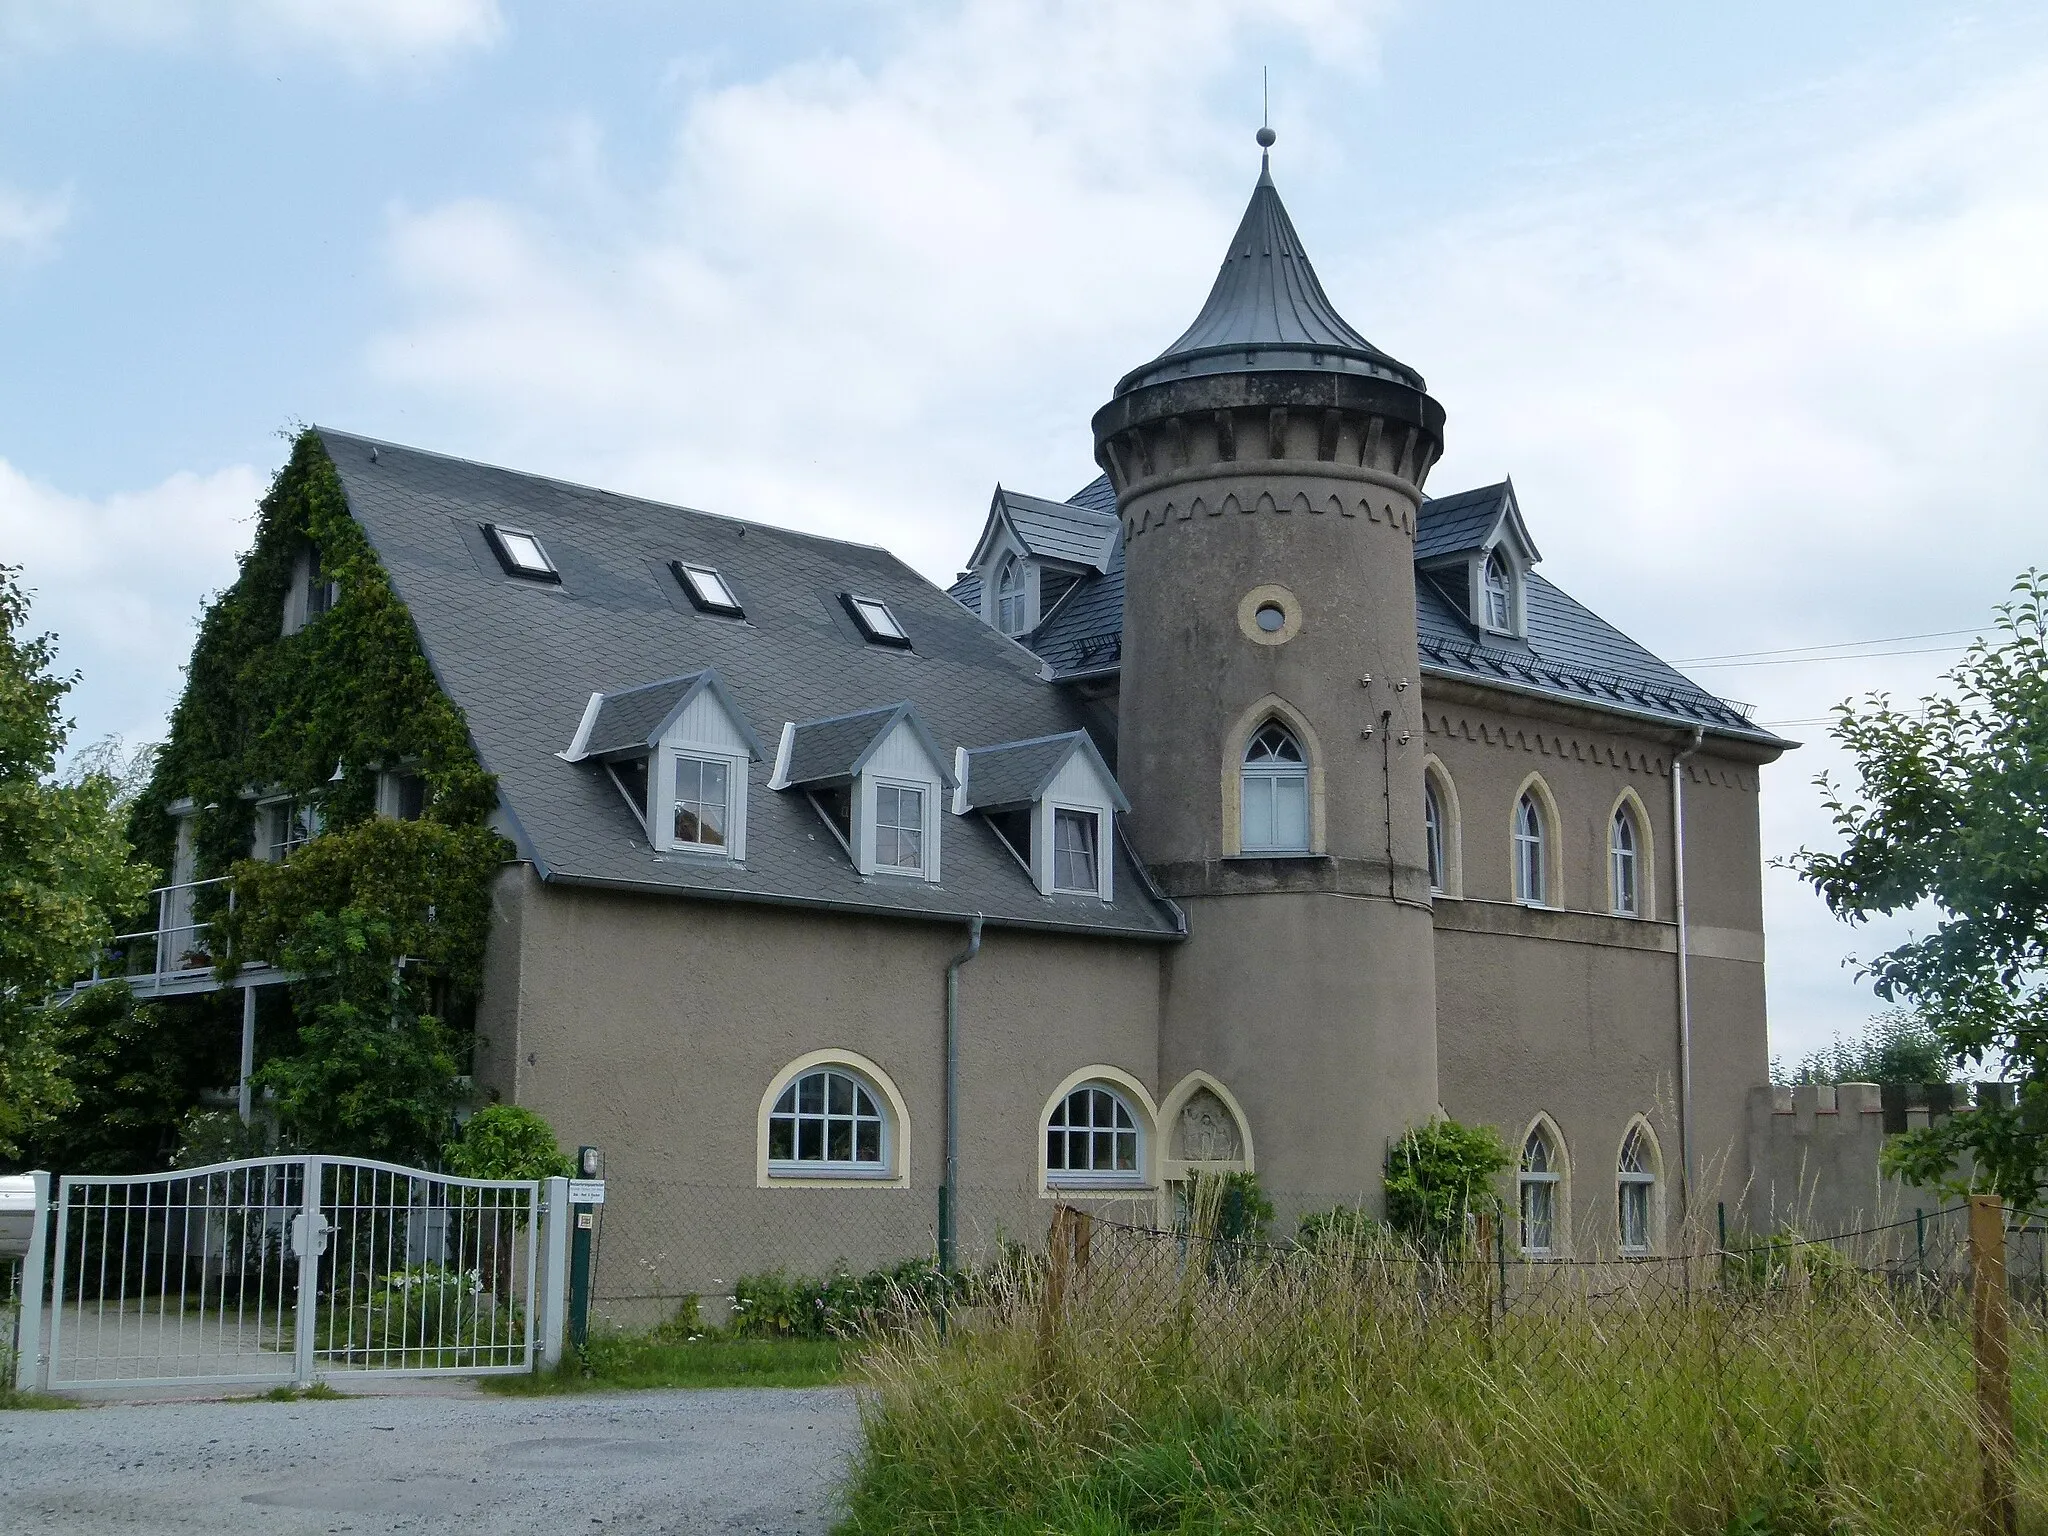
(1266, 136)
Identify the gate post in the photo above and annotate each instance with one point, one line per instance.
(554, 1272)
(310, 1239)
(31, 1365)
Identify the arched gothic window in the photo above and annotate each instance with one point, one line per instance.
(1010, 596)
(1625, 872)
(828, 1121)
(1093, 1138)
(1531, 886)
(1499, 596)
(1433, 834)
(1274, 802)
(1636, 1185)
(1542, 1174)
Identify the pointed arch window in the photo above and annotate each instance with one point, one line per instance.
(1433, 833)
(1624, 864)
(1541, 1177)
(1010, 596)
(1636, 1189)
(1274, 803)
(1500, 608)
(1531, 864)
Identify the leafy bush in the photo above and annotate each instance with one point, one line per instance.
(506, 1141)
(207, 1136)
(1342, 1227)
(444, 1315)
(1440, 1173)
(1896, 1046)
(775, 1306)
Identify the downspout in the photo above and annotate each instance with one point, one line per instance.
(949, 1183)
(1685, 1137)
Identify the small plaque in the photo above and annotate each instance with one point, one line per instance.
(585, 1221)
(586, 1191)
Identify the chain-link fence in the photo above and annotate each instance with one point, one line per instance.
(10, 1319)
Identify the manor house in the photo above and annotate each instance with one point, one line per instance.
(1241, 810)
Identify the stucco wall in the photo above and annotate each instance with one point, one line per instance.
(651, 1027)
(1574, 1012)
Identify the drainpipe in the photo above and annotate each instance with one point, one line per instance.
(949, 1185)
(1685, 1138)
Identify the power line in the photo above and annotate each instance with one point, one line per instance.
(1840, 645)
(1806, 661)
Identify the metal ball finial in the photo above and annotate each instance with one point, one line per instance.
(1266, 137)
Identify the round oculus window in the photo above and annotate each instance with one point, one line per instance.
(1270, 617)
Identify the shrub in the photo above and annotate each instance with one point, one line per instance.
(1440, 1173)
(775, 1306)
(508, 1142)
(1340, 1228)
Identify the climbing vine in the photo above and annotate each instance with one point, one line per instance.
(384, 921)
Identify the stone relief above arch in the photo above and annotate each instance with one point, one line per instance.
(1204, 1129)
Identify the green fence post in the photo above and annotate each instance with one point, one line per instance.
(588, 1163)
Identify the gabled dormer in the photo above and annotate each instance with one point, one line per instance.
(678, 751)
(1477, 549)
(1053, 802)
(877, 779)
(1031, 554)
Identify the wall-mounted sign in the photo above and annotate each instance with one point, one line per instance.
(586, 1191)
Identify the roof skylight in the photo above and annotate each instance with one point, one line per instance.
(706, 589)
(520, 553)
(875, 620)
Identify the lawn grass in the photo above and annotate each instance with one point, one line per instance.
(1347, 1393)
(614, 1362)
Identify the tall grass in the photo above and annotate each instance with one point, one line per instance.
(1361, 1388)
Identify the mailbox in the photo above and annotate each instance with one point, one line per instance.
(17, 1214)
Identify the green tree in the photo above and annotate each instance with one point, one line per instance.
(1950, 811)
(66, 873)
(1896, 1046)
(1438, 1174)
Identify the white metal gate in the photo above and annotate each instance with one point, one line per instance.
(290, 1269)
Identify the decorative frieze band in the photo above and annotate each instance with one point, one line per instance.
(1393, 511)
(1549, 743)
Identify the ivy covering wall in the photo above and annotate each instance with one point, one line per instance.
(383, 921)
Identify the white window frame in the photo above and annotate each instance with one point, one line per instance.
(1054, 809)
(1554, 1180)
(1248, 773)
(1435, 850)
(928, 838)
(1011, 568)
(661, 806)
(1502, 623)
(894, 1171)
(1531, 851)
(1645, 1181)
(302, 814)
(388, 791)
(1624, 865)
(1134, 1177)
(515, 564)
(800, 1167)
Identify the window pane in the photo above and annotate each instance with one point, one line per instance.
(839, 1143)
(781, 1139)
(810, 1141)
(868, 1149)
(1126, 1151)
(1258, 811)
(878, 618)
(1056, 1149)
(1290, 813)
(1102, 1154)
(839, 1094)
(786, 1104)
(811, 1094)
(864, 1102)
(709, 587)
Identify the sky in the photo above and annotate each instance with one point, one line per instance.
(1748, 298)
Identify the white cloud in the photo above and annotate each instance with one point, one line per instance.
(30, 224)
(1784, 391)
(362, 33)
(121, 581)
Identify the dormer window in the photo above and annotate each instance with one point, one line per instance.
(677, 751)
(707, 591)
(1499, 594)
(876, 780)
(1052, 802)
(1011, 597)
(312, 592)
(520, 553)
(877, 624)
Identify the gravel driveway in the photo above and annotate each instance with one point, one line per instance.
(716, 1461)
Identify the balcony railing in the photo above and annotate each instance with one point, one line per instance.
(176, 954)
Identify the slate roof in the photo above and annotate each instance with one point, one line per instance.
(521, 660)
(832, 751)
(1018, 772)
(635, 718)
(1268, 311)
(1571, 654)
(1058, 530)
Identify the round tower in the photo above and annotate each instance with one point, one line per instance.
(1268, 466)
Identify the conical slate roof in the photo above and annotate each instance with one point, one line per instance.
(1267, 311)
